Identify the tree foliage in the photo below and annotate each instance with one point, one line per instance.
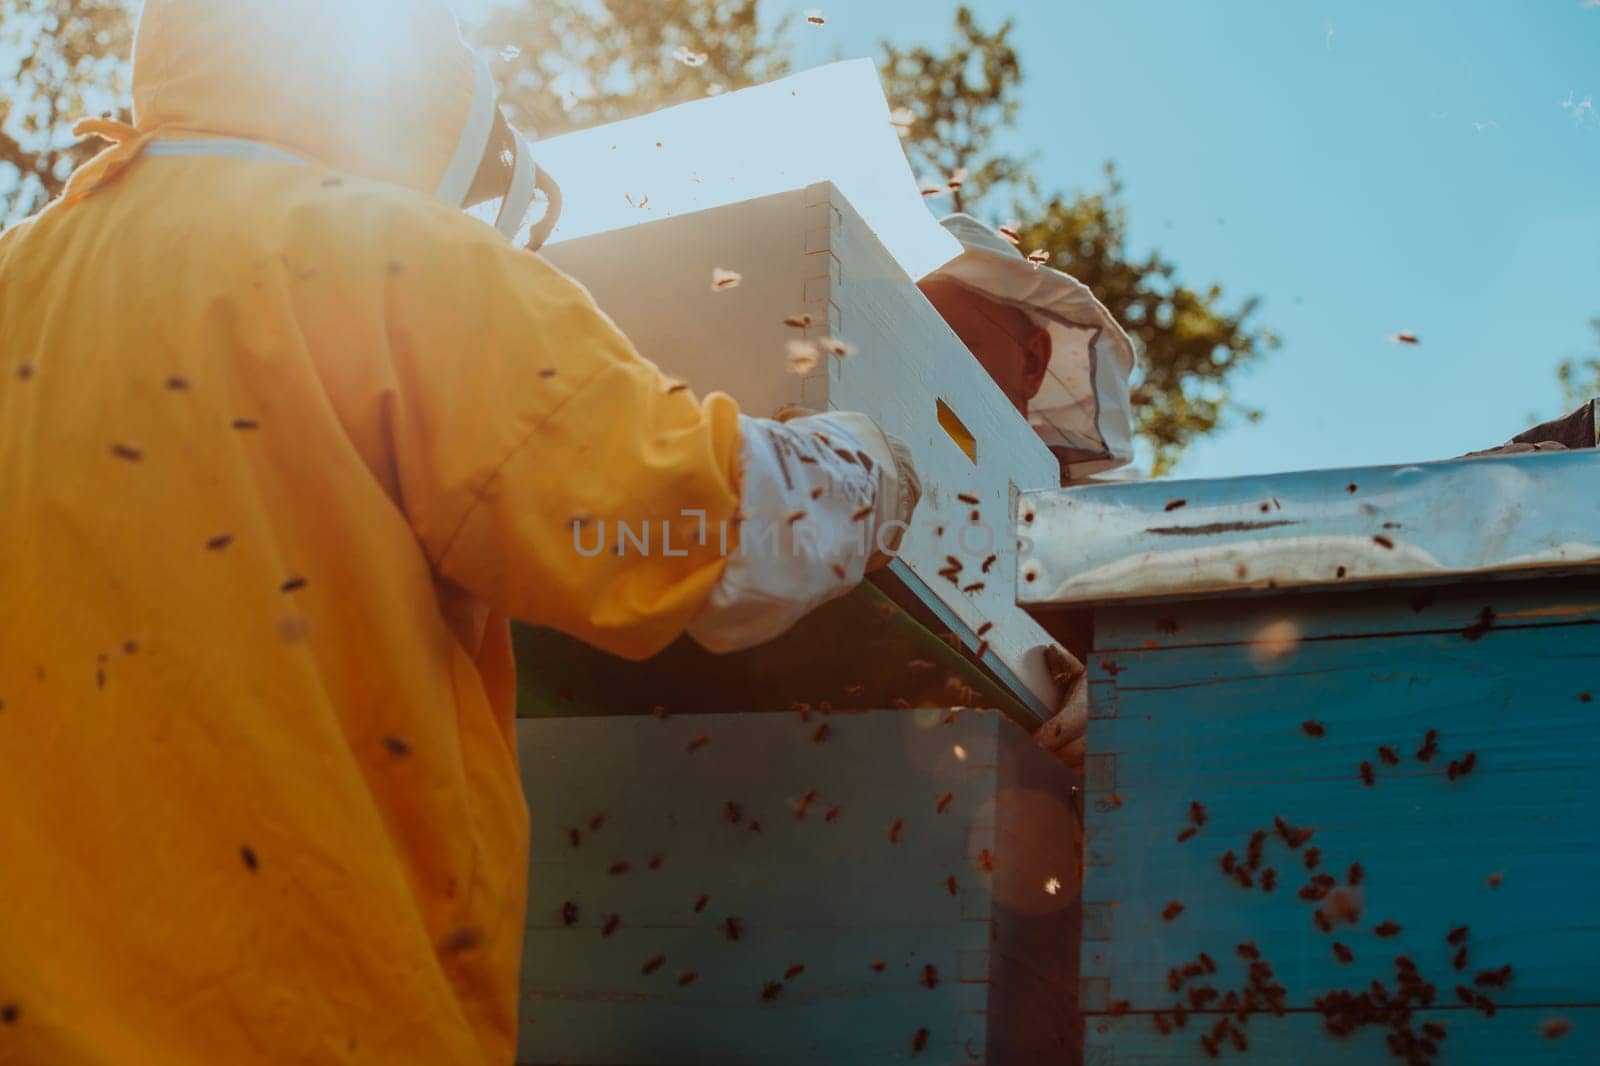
(961, 97)
(565, 65)
(1191, 341)
(1580, 378)
(59, 61)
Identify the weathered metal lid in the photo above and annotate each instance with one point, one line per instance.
(1500, 516)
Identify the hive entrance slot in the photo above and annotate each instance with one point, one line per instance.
(957, 430)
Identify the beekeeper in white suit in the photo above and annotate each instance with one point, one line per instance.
(1053, 348)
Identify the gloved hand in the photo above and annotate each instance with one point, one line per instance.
(1066, 734)
(841, 480)
(899, 487)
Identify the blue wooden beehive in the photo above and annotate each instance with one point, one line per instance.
(1260, 645)
(798, 888)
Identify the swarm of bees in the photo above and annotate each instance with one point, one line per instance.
(1344, 1011)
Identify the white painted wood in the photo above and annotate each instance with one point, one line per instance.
(807, 251)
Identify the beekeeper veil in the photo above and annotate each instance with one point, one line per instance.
(507, 179)
(1083, 410)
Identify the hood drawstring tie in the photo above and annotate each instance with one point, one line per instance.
(126, 144)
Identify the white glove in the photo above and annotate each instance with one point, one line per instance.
(823, 498)
(899, 487)
(1066, 734)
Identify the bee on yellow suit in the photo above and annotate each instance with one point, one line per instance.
(285, 439)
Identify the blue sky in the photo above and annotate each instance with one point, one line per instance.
(1363, 167)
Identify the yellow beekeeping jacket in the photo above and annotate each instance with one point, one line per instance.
(282, 446)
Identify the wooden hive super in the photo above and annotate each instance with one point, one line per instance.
(807, 252)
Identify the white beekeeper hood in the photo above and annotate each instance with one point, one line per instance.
(1082, 411)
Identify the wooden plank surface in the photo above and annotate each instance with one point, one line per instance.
(655, 281)
(1219, 722)
(831, 896)
(1512, 1036)
(1270, 621)
(908, 363)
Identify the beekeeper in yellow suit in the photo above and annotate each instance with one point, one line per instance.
(285, 437)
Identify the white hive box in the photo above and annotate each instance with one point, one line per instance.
(807, 251)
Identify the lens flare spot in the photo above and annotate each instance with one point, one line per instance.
(1275, 641)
